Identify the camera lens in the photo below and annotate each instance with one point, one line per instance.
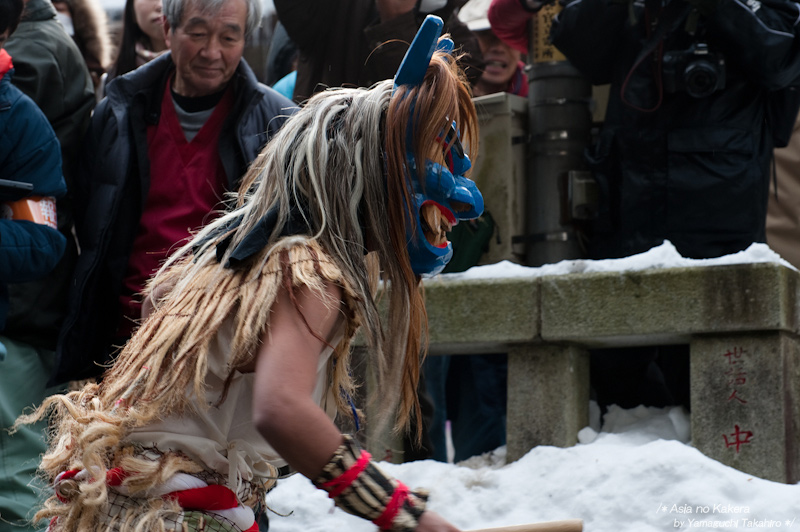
(700, 78)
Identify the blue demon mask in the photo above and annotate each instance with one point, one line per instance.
(445, 193)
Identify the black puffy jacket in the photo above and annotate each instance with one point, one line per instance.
(671, 166)
(112, 186)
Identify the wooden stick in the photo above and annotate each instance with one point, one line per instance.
(567, 525)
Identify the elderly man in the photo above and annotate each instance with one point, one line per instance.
(166, 144)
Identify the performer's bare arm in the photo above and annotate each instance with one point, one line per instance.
(286, 371)
(284, 411)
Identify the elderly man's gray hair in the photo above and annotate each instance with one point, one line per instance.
(173, 11)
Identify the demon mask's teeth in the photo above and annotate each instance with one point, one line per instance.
(434, 224)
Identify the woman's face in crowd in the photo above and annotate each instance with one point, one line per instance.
(149, 17)
(501, 60)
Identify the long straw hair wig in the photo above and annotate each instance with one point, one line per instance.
(339, 167)
(343, 158)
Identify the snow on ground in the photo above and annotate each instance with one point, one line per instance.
(638, 473)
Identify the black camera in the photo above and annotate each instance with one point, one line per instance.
(695, 70)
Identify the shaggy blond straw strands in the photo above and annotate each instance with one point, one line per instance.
(162, 371)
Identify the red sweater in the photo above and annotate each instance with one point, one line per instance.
(187, 183)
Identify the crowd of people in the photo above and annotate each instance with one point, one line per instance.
(187, 252)
(170, 133)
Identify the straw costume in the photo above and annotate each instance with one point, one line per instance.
(167, 440)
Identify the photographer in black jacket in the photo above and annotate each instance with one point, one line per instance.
(684, 152)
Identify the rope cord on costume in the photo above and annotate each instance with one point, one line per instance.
(188, 498)
(349, 400)
(352, 409)
(208, 507)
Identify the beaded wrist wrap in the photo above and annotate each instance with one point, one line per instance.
(360, 488)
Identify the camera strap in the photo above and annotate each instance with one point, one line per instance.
(671, 15)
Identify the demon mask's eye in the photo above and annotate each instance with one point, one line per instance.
(451, 154)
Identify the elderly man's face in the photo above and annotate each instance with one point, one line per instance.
(207, 47)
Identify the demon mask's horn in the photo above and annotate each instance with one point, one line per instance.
(418, 57)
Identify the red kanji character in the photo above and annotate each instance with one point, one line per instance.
(734, 396)
(735, 355)
(736, 377)
(738, 441)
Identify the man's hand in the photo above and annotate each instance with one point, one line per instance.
(154, 295)
(389, 9)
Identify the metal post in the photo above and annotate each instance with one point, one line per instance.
(559, 124)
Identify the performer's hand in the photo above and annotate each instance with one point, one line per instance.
(433, 522)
